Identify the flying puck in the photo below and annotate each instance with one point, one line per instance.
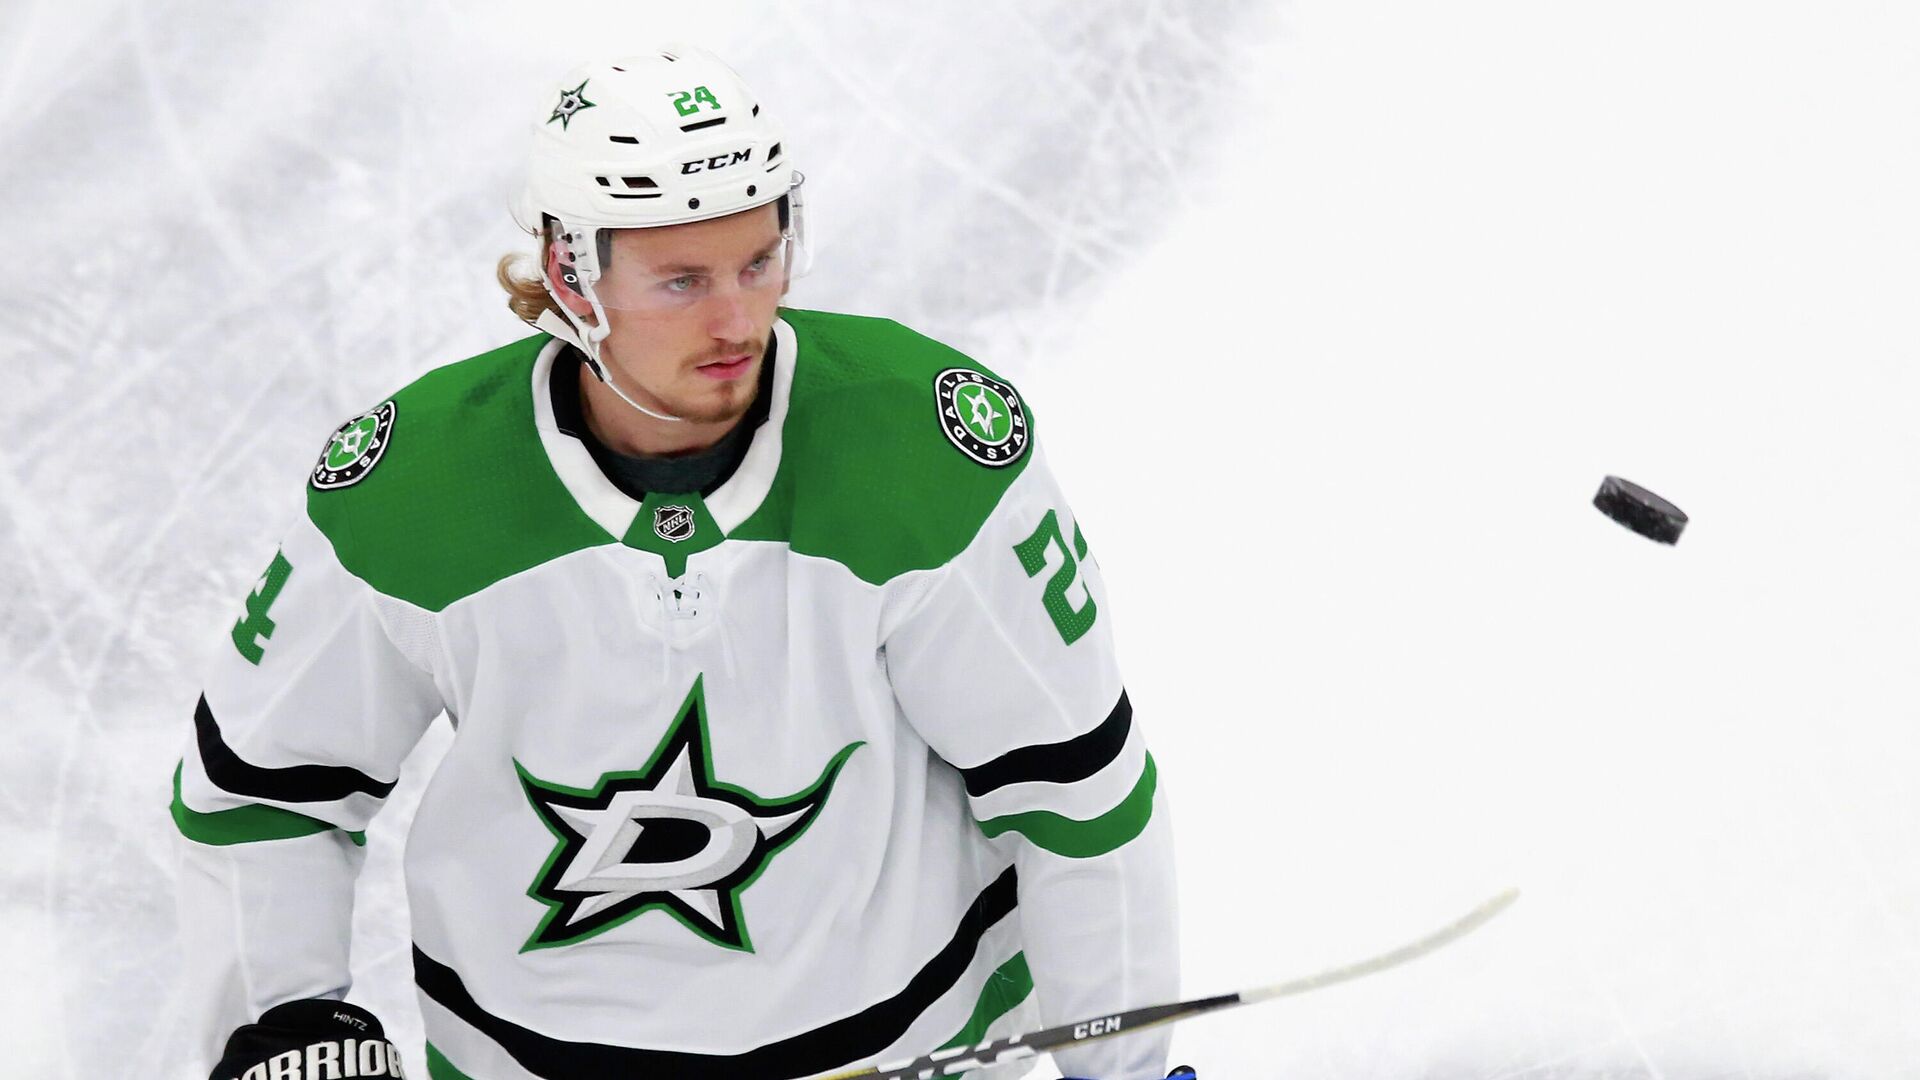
(1640, 510)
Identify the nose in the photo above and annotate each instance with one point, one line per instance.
(729, 319)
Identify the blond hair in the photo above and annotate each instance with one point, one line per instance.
(520, 274)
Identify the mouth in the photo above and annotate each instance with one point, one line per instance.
(731, 367)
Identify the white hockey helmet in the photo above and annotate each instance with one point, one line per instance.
(664, 137)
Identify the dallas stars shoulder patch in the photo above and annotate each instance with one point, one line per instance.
(355, 448)
(981, 416)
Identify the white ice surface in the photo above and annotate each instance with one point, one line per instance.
(1335, 312)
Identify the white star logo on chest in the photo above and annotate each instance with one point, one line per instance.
(612, 835)
(667, 837)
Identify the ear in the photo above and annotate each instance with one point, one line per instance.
(558, 272)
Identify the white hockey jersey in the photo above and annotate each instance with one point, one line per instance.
(831, 767)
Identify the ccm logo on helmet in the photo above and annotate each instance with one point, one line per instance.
(718, 161)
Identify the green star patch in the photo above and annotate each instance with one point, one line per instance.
(354, 449)
(981, 416)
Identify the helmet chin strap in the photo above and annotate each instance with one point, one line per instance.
(568, 330)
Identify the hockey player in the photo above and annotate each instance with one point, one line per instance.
(789, 732)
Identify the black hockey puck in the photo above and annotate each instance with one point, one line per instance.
(1640, 510)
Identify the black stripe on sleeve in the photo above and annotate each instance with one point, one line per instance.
(1057, 763)
(295, 783)
(849, 1039)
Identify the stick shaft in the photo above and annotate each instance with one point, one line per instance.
(960, 1059)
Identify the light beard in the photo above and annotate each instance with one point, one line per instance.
(704, 418)
(732, 407)
(702, 408)
(730, 400)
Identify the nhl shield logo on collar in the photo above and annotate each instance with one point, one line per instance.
(673, 523)
(981, 416)
(355, 448)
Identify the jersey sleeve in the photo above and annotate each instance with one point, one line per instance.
(1004, 662)
(319, 692)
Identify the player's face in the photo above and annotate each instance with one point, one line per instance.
(691, 307)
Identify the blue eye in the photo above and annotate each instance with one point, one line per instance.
(684, 283)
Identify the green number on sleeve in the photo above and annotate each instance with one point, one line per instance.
(1073, 623)
(255, 627)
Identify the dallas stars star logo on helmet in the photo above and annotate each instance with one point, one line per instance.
(355, 448)
(669, 837)
(981, 415)
(571, 101)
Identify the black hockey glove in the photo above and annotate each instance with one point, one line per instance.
(308, 1039)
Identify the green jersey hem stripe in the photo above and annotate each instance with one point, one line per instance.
(439, 1068)
(245, 824)
(854, 1037)
(1084, 839)
(1006, 988)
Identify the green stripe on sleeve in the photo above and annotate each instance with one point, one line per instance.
(1006, 988)
(1084, 839)
(245, 824)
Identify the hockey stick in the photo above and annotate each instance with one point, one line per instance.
(960, 1059)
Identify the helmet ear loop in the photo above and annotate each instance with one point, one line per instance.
(583, 248)
(579, 270)
(800, 256)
